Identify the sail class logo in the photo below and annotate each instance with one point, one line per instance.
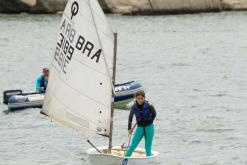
(74, 9)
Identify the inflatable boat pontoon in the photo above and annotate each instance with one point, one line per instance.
(16, 99)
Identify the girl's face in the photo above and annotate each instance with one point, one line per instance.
(140, 100)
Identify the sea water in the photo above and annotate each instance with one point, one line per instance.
(192, 67)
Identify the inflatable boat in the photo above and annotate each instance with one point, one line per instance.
(16, 99)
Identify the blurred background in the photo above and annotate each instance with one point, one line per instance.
(127, 6)
(192, 66)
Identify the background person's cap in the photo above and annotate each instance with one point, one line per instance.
(45, 69)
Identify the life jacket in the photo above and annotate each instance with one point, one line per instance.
(143, 115)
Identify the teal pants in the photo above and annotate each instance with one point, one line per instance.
(139, 134)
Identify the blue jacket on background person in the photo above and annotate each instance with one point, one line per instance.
(42, 81)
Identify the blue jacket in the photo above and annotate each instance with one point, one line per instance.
(145, 114)
(41, 82)
(142, 113)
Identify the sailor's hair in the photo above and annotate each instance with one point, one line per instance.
(140, 93)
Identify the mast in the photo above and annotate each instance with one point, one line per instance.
(113, 82)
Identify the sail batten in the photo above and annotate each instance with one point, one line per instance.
(79, 92)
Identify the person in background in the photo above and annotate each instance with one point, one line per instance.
(145, 115)
(42, 81)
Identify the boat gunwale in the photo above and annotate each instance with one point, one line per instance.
(94, 152)
(25, 104)
(128, 92)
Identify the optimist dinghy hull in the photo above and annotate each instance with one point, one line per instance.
(116, 158)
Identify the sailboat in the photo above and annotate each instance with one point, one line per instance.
(80, 91)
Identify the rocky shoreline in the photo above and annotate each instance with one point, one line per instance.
(145, 7)
(32, 6)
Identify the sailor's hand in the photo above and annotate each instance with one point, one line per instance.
(129, 132)
(42, 88)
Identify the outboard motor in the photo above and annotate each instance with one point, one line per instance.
(7, 94)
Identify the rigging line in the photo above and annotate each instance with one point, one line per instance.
(96, 29)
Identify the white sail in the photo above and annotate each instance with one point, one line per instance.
(79, 92)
